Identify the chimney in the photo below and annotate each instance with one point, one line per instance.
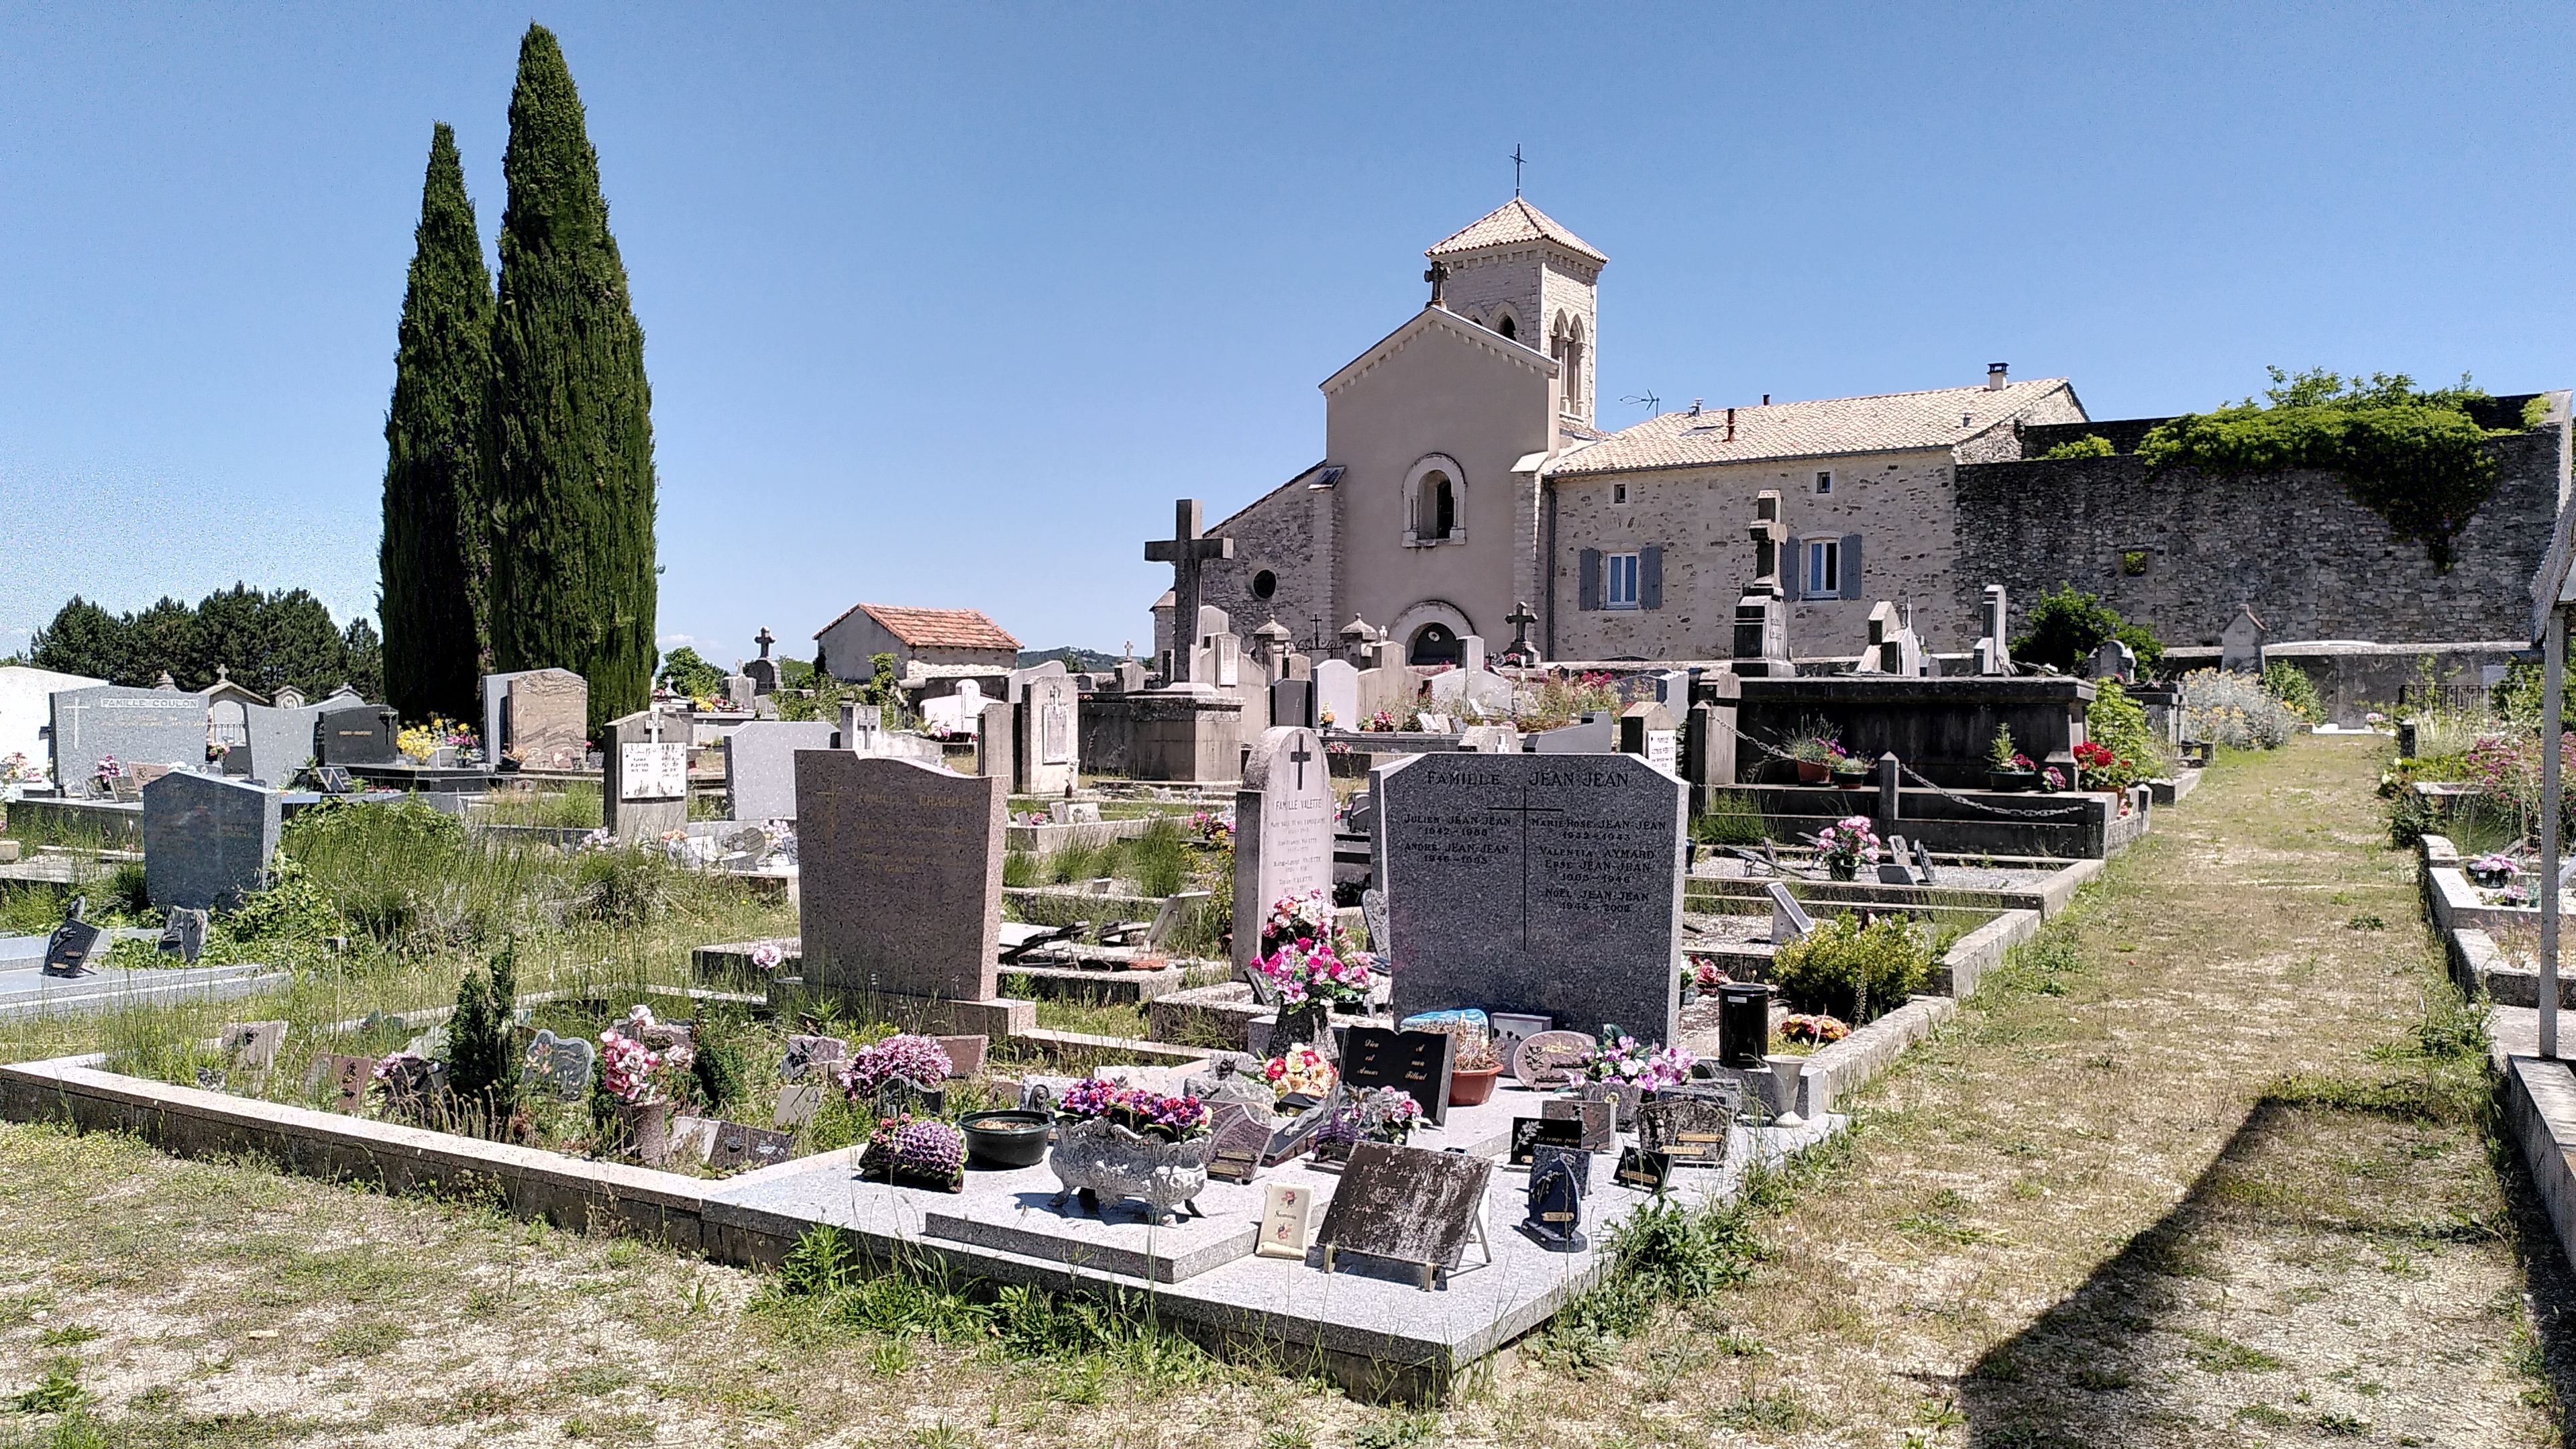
(1694, 407)
(1766, 399)
(1995, 375)
(1730, 425)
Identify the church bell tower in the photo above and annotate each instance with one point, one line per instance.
(1518, 273)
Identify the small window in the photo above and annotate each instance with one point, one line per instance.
(1618, 492)
(1824, 483)
(1824, 568)
(1619, 584)
(1508, 327)
(1435, 507)
(1264, 584)
(2133, 563)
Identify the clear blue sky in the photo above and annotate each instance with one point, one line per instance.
(944, 305)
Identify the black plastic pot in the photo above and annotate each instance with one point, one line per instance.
(1006, 1138)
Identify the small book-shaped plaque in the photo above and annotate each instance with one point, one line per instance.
(1287, 1221)
(1531, 1133)
(1407, 1205)
(1645, 1171)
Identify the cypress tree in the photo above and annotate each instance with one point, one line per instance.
(436, 548)
(572, 562)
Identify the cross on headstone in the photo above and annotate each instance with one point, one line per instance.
(73, 707)
(1525, 810)
(1520, 618)
(764, 640)
(1299, 756)
(1768, 534)
(1185, 551)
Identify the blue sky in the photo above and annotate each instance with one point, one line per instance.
(945, 304)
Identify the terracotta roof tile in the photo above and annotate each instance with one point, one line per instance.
(934, 628)
(1514, 221)
(1820, 428)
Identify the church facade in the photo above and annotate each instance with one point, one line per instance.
(1464, 474)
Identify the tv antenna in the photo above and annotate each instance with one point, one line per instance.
(1652, 403)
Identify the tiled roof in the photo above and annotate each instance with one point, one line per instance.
(1514, 221)
(933, 628)
(1822, 428)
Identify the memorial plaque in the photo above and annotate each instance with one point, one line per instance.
(817, 1054)
(1416, 1063)
(1691, 1129)
(559, 1065)
(740, 1147)
(1600, 1119)
(1239, 1139)
(184, 935)
(69, 949)
(253, 1044)
(1554, 1217)
(1234, 1080)
(1510, 1029)
(1644, 1171)
(1286, 1142)
(1406, 1205)
(693, 1139)
(1554, 1059)
(652, 771)
(1576, 1160)
(1532, 1133)
(1287, 1221)
(348, 1077)
(333, 779)
(1045, 719)
(1534, 883)
(1283, 829)
(797, 1104)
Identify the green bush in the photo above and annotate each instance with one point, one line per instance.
(479, 1059)
(2297, 693)
(1733, 817)
(2117, 723)
(2067, 626)
(619, 887)
(1850, 970)
(2091, 445)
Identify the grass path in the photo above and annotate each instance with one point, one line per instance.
(2204, 1165)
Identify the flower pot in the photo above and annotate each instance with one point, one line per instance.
(1309, 1025)
(1107, 1162)
(882, 1167)
(1009, 1138)
(644, 1128)
(1471, 1089)
(1843, 869)
(1813, 772)
(2491, 879)
(2009, 780)
(1853, 779)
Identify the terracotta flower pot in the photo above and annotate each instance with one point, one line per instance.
(1471, 1089)
(1813, 772)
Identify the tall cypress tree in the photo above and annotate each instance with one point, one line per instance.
(436, 550)
(572, 561)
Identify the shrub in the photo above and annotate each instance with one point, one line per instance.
(478, 1035)
(2297, 693)
(2091, 445)
(2067, 626)
(2229, 709)
(1854, 971)
(2117, 723)
(1733, 817)
(619, 887)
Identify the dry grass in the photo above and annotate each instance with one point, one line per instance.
(2207, 1167)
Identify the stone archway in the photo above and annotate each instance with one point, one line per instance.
(1430, 631)
(1433, 643)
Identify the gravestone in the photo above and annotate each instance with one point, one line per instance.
(739, 1147)
(357, 734)
(1337, 695)
(1762, 611)
(1789, 920)
(1643, 1170)
(1238, 1136)
(812, 1053)
(1598, 1117)
(692, 1140)
(546, 719)
(1234, 1078)
(760, 765)
(644, 781)
(902, 889)
(135, 726)
(1046, 750)
(281, 742)
(1186, 552)
(331, 779)
(1283, 829)
(183, 935)
(1534, 883)
(1598, 734)
(1898, 867)
(1553, 1218)
(1577, 1160)
(1551, 1059)
(347, 1078)
(2113, 660)
(1292, 703)
(1406, 1205)
(1416, 1063)
(862, 726)
(253, 1044)
(993, 740)
(797, 1104)
(559, 1065)
(1651, 732)
(2240, 644)
(1994, 620)
(206, 839)
(1923, 861)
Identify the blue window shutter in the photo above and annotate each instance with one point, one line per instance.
(1851, 566)
(1650, 576)
(1793, 574)
(1587, 580)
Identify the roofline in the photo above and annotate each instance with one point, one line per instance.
(871, 611)
(1569, 468)
(1468, 331)
(1310, 471)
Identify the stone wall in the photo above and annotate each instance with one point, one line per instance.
(2312, 563)
(1287, 533)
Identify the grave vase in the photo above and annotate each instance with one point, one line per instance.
(1841, 869)
(1107, 1162)
(644, 1129)
(1309, 1025)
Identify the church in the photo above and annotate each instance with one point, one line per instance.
(1464, 474)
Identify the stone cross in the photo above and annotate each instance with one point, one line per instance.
(1520, 618)
(1768, 534)
(764, 640)
(1185, 550)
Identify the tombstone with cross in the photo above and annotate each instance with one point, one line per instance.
(763, 672)
(1761, 613)
(1523, 653)
(1185, 551)
(645, 786)
(1283, 829)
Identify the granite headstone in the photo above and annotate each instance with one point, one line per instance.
(281, 743)
(357, 733)
(207, 840)
(136, 726)
(645, 779)
(760, 765)
(902, 876)
(1046, 749)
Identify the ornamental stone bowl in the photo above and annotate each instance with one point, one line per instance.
(1106, 1162)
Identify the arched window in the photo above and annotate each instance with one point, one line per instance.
(1508, 326)
(1264, 584)
(1435, 502)
(1432, 644)
(1565, 344)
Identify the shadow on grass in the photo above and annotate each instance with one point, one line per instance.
(2322, 1190)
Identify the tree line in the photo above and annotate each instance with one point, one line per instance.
(266, 642)
(519, 483)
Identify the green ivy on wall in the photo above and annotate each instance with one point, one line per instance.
(2415, 458)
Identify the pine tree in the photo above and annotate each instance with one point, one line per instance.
(83, 639)
(572, 563)
(436, 552)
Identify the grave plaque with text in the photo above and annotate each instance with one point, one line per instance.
(1283, 829)
(1406, 1205)
(1529, 1134)
(1416, 1063)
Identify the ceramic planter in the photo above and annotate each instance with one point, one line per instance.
(1471, 1089)
(1106, 1162)
(1006, 1139)
(1843, 869)
(1853, 779)
(1813, 772)
(2011, 779)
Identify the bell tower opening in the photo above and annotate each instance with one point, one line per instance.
(1539, 286)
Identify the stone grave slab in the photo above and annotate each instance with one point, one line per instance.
(280, 743)
(207, 840)
(902, 866)
(1283, 829)
(135, 726)
(1406, 1205)
(357, 733)
(740, 1148)
(1009, 1211)
(760, 765)
(1047, 748)
(1534, 883)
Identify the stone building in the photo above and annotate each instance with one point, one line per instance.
(844, 647)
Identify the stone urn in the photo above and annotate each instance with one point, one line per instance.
(1106, 1162)
(644, 1128)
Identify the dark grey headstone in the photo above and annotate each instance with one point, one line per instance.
(206, 840)
(281, 742)
(1534, 883)
(760, 765)
(1643, 1170)
(1529, 1134)
(1406, 1205)
(136, 726)
(1416, 1063)
(1598, 734)
(69, 949)
(1292, 703)
(902, 876)
(357, 734)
